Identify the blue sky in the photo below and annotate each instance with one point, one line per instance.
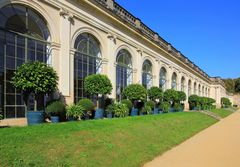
(206, 31)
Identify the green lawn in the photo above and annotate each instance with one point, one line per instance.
(222, 112)
(127, 142)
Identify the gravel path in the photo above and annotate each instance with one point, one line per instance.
(216, 146)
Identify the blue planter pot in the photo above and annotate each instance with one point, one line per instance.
(171, 109)
(141, 113)
(35, 117)
(109, 115)
(55, 119)
(160, 112)
(134, 112)
(99, 113)
(156, 111)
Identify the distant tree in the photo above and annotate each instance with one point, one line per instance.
(230, 85)
(237, 85)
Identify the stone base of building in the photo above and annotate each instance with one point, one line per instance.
(13, 122)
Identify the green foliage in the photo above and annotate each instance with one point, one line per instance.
(204, 103)
(178, 107)
(35, 77)
(150, 103)
(110, 108)
(97, 84)
(225, 102)
(75, 111)
(155, 93)
(135, 92)
(120, 110)
(237, 85)
(181, 96)
(170, 95)
(87, 104)
(146, 110)
(165, 106)
(55, 108)
(128, 103)
(1, 116)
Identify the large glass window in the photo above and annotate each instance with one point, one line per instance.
(123, 71)
(195, 88)
(183, 84)
(147, 74)
(87, 61)
(163, 80)
(24, 36)
(174, 81)
(189, 87)
(199, 90)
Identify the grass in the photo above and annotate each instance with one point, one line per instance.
(129, 142)
(222, 112)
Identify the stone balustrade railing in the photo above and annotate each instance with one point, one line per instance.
(153, 36)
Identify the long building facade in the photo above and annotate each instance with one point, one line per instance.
(82, 37)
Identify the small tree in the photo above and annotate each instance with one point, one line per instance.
(97, 84)
(135, 92)
(37, 78)
(170, 96)
(155, 94)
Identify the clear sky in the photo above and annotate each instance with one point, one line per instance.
(206, 31)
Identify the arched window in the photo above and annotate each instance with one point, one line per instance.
(123, 71)
(24, 36)
(195, 88)
(174, 81)
(199, 90)
(147, 74)
(87, 61)
(183, 84)
(189, 87)
(163, 79)
(203, 93)
(206, 92)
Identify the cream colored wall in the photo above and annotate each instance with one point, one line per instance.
(67, 20)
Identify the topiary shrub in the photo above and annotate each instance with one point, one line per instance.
(146, 110)
(55, 108)
(151, 104)
(87, 104)
(110, 109)
(181, 96)
(97, 84)
(178, 107)
(155, 94)
(135, 92)
(128, 103)
(75, 111)
(35, 77)
(193, 101)
(170, 96)
(165, 106)
(120, 110)
(225, 102)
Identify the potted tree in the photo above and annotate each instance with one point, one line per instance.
(179, 103)
(37, 79)
(54, 109)
(136, 93)
(98, 85)
(155, 94)
(171, 97)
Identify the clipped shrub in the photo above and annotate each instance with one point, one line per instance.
(165, 106)
(181, 96)
(35, 77)
(110, 109)
(55, 108)
(128, 103)
(87, 104)
(75, 111)
(120, 110)
(146, 110)
(150, 103)
(225, 102)
(135, 92)
(170, 95)
(178, 107)
(155, 93)
(97, 84)
(193, 101)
